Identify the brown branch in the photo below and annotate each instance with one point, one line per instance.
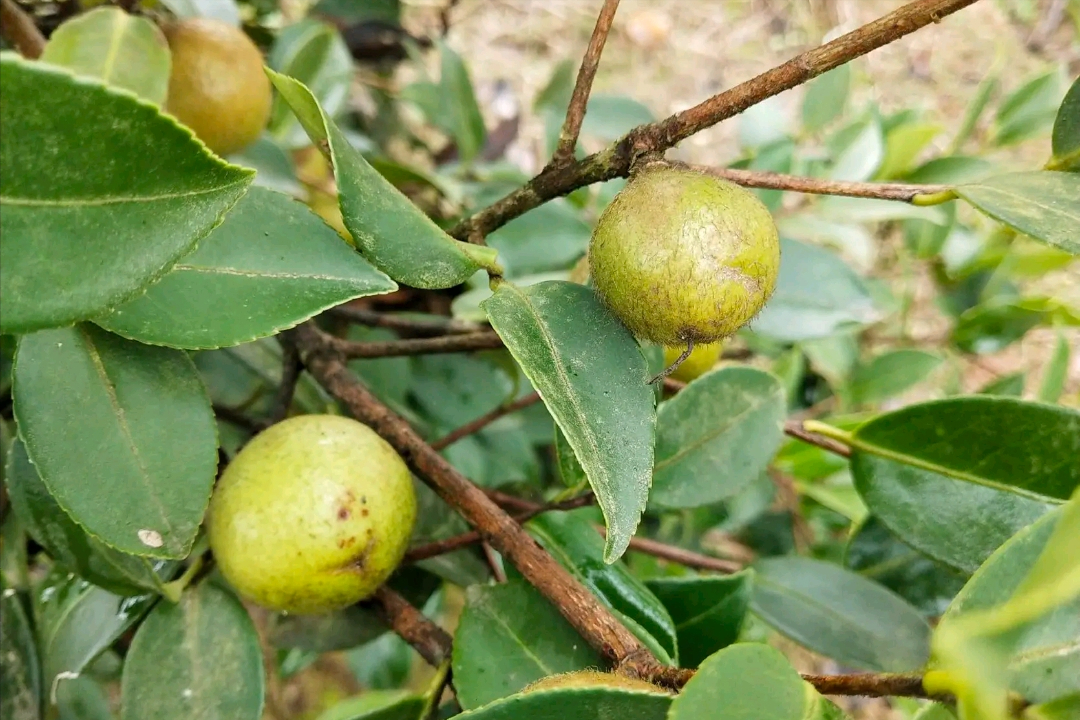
(431, 641)
(857, 684)
(466, 342)
(290, 375)
(616, 160)
(19, 29)
(904, 192)
(493, 562)
(682, 556)
(428, 327)
(484, 420)
(596, 624)
(795, 429)
(575, 113)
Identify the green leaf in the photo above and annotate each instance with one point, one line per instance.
(199, 658)
(274, 167)
(572, 540)
(1056, 372)
(270, 265)
(101, 183)
(826, 98)
(840, 614)
(20, 673)
(1011, 385)
(509, 636)
(554, 97)
(576, 703)
(609, 117)
(545, 239)
(458, 109)
(708, 611)
(1043, 204)
(1066, 136)
(593, 379)
(747, 681)
(82, 698)
(76, 621)
(122, 435)
(124, 51)
(951, 170)
(570, 470)
(994, 325)
(903, 146)
(1029, 110)
(1002, 443)
(816, 295)
(876, 554)
(892, 373)
(987, 88)
(352, 12)
(391, 232)
(312, 52)
(67, 543)
(1065, 708)
(860, 159)
(378, 705)
(716, 436)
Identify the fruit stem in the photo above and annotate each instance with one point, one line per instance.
(937, 198)
(173, 590)
(815, 426)
(675, 365)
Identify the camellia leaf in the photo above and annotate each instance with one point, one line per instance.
(716, 436)
(123, 50)
(391, 232)
(826, 97)
(1066, 136)
(199, 658)
(840, 614)
(102, 184)
(708, 610)
(20, 673)
(1043, 204)
(458, 109)
(509, 636)
(378, 705)
(892, 373)
(122, 435)
(593, 378)
(271, 264)
(577, 703)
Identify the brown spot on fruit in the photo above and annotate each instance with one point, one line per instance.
(364, 512)
(343, 513)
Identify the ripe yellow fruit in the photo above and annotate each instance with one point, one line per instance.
(217, 86)
(593, 678)
(702, 359)
(312, 515)
(680, 256)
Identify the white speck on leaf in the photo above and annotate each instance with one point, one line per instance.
(150, 537)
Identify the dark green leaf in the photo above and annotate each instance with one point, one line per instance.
(1066, 137)
(1011, 385)
(840, 614)
(1043, 204)
(547, 238)
(124, 51)
(1021, 447)
(378, 705)
(571, 538)
(592, 376)
(951, 170)
(107, 188)
(20, 672)
(82, 698)
(458, 110)
(576, 703)
(748, 681)
(273, 166)
(1057, 368)
(122, 435)
(816, 295)
(271, 264)
(892, 373)
(508, 636)
(993, 326)
(1029, 110)
(353, 12)
(716, 436)
(826, 98)
(437, 521)
(392, 233)
(383, 663)
(708, 611)
(199, 658)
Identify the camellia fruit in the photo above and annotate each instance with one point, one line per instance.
(217, 86)
(593, 678)
(700, 361)
(684, 258)
(312, 515)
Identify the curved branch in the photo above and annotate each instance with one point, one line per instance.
(484, 420)
(465, 342)
(20, 30)
(904, 192)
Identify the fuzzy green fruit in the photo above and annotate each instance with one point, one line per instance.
(680, 256)
(312, 515)
(590, 679)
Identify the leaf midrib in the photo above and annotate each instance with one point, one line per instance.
(115, 200)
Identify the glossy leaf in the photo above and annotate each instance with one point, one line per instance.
(1042, 204)
(708, 611)
(76, 621)
(572, 540)
(136, 192)
(269, 266)
(747, 681)
(892, 373)
(391, 232)
(198, 658)
(576, 703)
(70, 545)
(840, 614)
(716, 436)
(312, 52)
(458, 109)
(826, 98)
(377, 705)
(97, 411)
(20, 673)
(509, 636)
(1066, 135)
(593, 379)
(124, 51)
(1002, 443)
(816, 295)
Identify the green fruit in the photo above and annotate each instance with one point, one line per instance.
(312, 515)
(680, 256)
(593, 678)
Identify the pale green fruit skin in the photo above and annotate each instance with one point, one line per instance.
(590, 679)
(312, 515)
(679, 255)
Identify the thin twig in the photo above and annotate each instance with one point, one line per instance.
(493, 561)
(857, 684)
(431, 641)
(679, 555)
(617, 159)
(466, 342)
(904, 192)
(429, 327)
(290, 375)
(19, 29)
(237, 418)
(575, 113)
(484, 420)
(795, 429)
